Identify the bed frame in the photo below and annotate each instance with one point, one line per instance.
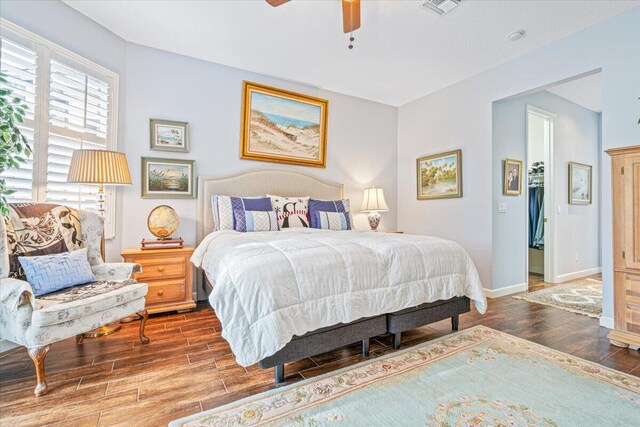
(291, 182)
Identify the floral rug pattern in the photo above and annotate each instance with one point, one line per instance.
(582, 297)
(477, 377)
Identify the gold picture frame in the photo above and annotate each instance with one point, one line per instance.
(439, 176)
(512, 183)
(280, 126)
(580, 184)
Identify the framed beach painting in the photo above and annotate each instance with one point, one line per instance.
(580, 183)
(168, 178)
(512, 177)
(440, 176)
(169, 135)
(283, 127)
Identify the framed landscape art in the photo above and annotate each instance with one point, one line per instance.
(283, 127)
(579, 184)
(168, 178)
(440, 176)
(512, 177)
(169, 135)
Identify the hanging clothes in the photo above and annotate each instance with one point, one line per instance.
(536, 217)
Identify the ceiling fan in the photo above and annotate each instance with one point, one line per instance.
(350, 15)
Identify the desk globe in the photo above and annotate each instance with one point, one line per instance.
(163, 221)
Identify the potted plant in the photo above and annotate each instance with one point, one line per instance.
(14, 146)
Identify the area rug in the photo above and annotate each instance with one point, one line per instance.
(477, 377)
(582, 297)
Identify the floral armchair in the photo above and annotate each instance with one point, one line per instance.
(37, 322)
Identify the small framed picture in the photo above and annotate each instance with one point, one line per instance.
(512, 177)
(169, 135)
(440, 175)
(168, 178)
(580, 182)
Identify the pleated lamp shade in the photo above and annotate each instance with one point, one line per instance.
(374, 200)
(99, 167)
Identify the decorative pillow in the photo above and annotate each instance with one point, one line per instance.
(50, 273)
(329, 206)
(224, 207)
(40, 229)
(337, 221)
(291, 211)
(255, 220)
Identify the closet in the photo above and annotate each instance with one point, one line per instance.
(625, 170)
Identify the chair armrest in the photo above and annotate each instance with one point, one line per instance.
(14, 293)
(115, 270)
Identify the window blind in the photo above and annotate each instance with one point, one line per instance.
(19, 65)
(78, 119)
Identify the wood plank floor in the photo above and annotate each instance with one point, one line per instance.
(188, 366)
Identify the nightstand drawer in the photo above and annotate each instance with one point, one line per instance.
(160, 268)
(161, 291)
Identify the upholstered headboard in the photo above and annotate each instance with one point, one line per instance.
(257, 182)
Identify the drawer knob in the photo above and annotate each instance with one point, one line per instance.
(161, 268)
(161, 292)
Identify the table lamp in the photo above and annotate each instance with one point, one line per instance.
(373, 203)
(100, 167)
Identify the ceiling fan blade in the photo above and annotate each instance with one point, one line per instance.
(350, 15)
(276, 3)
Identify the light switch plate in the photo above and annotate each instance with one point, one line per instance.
(502, 207)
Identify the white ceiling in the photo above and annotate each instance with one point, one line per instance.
(401, 53)
(586, 91)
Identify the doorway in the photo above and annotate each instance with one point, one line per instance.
(540, 215)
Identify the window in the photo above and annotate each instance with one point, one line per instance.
(72, 105)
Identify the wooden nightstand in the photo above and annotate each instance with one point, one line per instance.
(169, 274)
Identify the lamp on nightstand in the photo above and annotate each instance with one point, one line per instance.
(373, 203)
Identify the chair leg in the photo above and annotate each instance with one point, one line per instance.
(454, 322)
(38, 355)
(143, 321)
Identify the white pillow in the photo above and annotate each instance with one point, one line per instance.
(290, 211)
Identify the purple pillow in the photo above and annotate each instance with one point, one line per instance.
(242, 204)
(328, 206)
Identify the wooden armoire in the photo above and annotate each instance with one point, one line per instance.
(625, 170)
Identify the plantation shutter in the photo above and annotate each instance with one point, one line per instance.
(78, 119)
(18, 64)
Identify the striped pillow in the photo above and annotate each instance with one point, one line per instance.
(336, 221)
(224, 208)
(256, 221)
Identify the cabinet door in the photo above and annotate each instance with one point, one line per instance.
(631, 178)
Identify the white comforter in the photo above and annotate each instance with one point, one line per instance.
(270, 286)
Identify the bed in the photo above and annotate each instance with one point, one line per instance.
(320, 290)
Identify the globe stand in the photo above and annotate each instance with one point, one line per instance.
(165, 243)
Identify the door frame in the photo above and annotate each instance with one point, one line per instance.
(550, 272)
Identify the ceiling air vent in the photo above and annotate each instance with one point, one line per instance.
(441, 7)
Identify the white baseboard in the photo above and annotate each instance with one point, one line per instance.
(7, 345)
(537, 270)
(606, 322)
(578, 274)
(508, 290)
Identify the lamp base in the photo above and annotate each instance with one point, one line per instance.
(107, 329)
(374, 220)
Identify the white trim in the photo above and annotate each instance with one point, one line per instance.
(46, 50)
(508, 290)
(578, 274)
(550, 196)
(607, 322)
(6, 345)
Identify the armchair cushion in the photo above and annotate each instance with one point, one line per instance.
(40, 229)
(83, 300)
